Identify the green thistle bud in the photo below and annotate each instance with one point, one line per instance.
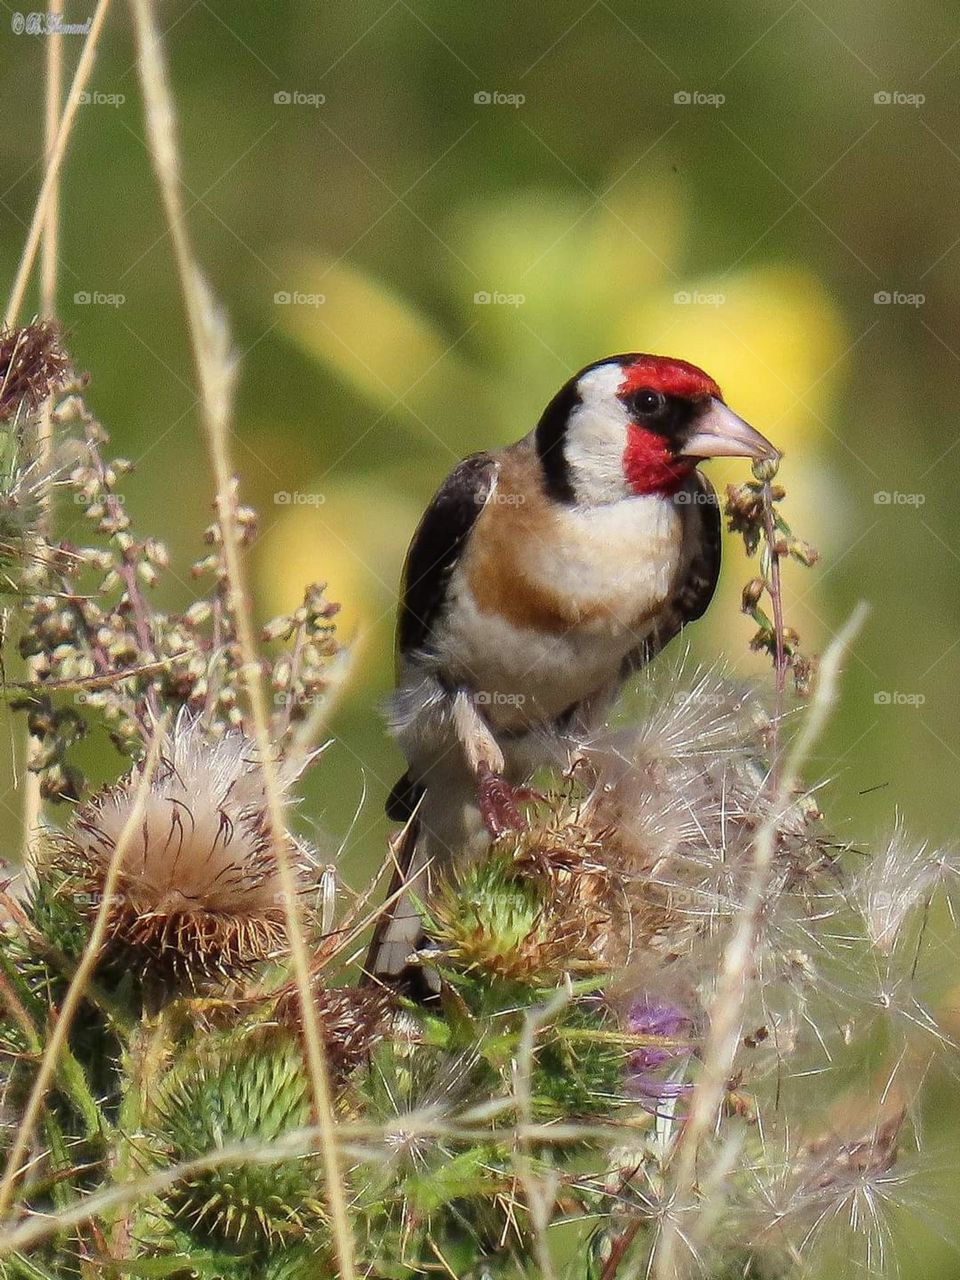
(498, 922)
(249, 1089)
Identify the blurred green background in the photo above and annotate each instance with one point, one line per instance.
(422, 217)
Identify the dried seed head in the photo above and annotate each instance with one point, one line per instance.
(200, 889)
(352, 1020)
(839, 1183)
(751, 594)
(835, 1163)
(898, 880)
(32, 366)
(658, 850)
(672, 802)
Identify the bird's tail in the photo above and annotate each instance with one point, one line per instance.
(399, 931)
(444, 827)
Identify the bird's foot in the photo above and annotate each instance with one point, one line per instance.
(498, 801)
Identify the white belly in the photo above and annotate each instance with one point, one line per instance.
(622, 559)
(626, 554)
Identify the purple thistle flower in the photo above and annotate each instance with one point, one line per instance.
(652, 1016)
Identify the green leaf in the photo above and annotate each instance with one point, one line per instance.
(466, 1175)
(27, 1269)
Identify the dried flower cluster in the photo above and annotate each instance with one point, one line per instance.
(680, 799)
(353, 1020)
(33, 365)
(101, 648)
(753, 511)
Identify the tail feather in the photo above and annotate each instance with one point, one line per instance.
(443, 826)
(398, 931)
(403, 799)
(402, 936)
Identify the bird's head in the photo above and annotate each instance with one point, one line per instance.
(637, 424)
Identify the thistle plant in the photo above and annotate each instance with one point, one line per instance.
(200, 891)
(679, 1027)
(555, 1078)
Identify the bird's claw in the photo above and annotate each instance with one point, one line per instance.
(498, 802)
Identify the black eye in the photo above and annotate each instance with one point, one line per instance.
(647, 403)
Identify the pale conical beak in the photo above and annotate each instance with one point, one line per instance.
(719, 433)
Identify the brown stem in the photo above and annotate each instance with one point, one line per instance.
(622, 1243)
(287, 717)
(780, 655)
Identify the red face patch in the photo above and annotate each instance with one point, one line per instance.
(649, 465)
(672, 377)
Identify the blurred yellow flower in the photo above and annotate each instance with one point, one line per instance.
(353, 539)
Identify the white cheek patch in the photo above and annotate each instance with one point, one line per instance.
(597, 437)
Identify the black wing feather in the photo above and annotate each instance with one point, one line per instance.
(437, 546)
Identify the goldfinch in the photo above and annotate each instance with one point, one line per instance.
(539, 577)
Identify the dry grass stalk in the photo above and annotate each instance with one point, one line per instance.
(215, 376)
(81, 78)
(49, 247)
